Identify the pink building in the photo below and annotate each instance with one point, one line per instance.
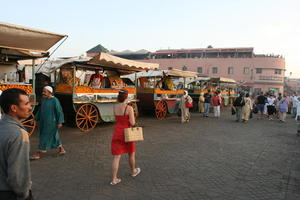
(258, 72)
(292, 86)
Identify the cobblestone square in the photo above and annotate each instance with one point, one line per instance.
(208, 158)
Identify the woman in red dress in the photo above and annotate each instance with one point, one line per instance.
(124, 119)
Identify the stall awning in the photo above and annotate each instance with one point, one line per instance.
(110, 61)
(162, 73)
(173, 72)
(224, 80)
(28, 39)
(227, 80)
(180, 73)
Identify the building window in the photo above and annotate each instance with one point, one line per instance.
(246, 70)
(199, 70)
(170, 68)
(184, 68)
(277, 71)
(258, 70)
(230, 70)
(214, 70)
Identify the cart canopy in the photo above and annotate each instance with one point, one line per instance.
(22, 38)
(180, 73)
(224, 80)
(108, 61)
(103, 61)
(18, 42)
(161, 73)
(199, 79)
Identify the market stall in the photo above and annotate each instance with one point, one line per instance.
(86, 103)
(22, 43)
(159, 91)
(227, 88)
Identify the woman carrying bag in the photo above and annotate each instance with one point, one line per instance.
(247, 108)
(124, 119)
(186, 102)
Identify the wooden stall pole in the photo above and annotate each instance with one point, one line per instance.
(74, 79)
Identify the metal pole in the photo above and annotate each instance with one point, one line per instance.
(54, 78)
(33, 79)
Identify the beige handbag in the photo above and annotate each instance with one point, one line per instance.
(133, 134)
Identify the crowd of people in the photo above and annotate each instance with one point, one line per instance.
(266, 106)
(14, 140)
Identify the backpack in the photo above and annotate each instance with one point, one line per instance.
(239, 101)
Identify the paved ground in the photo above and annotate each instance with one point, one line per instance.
(205, 159)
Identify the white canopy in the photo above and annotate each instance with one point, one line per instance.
(51, 65)
(23, 38)
(160, 73)
(225, 80)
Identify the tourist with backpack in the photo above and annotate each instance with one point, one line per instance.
(238, 104)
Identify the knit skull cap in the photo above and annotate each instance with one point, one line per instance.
(49, 88)
(123, 91)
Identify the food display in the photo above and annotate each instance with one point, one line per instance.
(26, 87)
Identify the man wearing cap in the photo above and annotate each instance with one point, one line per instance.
(50, 117)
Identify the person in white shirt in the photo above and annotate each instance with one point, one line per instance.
(271, 106)
(0, 108)
(294, 100)
(297, 118)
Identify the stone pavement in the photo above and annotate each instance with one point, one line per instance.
(208, 158)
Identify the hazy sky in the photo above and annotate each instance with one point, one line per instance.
(270, 26)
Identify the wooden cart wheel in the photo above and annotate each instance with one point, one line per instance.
(161, 109)
(29, 124)
(87, 117)
(135, 109)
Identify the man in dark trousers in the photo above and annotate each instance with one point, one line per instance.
(207, 101)
(15, 177)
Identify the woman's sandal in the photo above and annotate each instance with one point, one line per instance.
(61, 153)
(35, 157)
(138, 171)
(117, 182)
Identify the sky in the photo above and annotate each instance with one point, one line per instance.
(269, 26)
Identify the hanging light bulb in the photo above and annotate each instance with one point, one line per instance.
(6, 58)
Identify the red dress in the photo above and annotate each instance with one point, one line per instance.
(118, 144)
